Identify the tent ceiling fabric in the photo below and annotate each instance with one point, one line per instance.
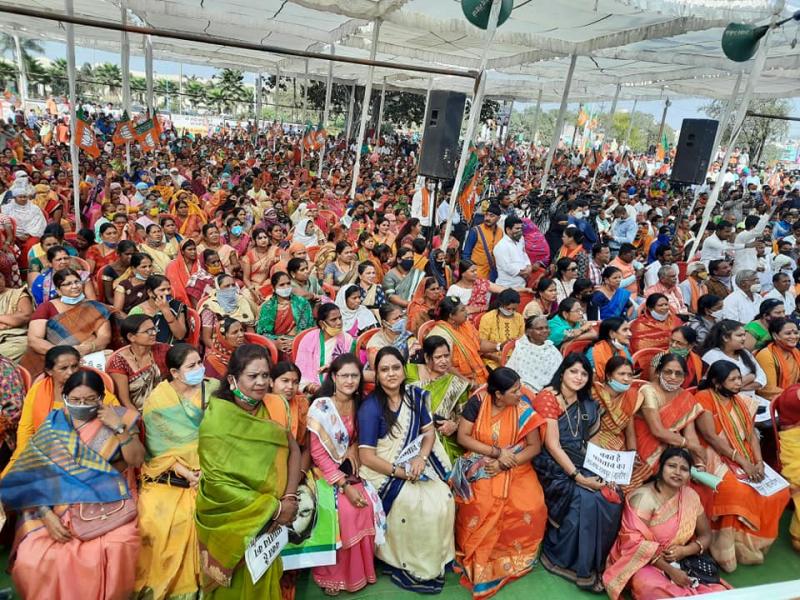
(653, 48)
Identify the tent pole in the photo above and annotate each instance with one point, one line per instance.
(536, 117)
(614, 103)
(305, 94)
(575, 131)
(326, 112)
(723, 124)
(73, 120)
(22, 72)
(508, 124)
(350, 105)
(741, 113)
(148, 72)
(474, 119)
(551, 152)
(362, 127)
(259, 100)
(125, 45)
(380, 112)
(667, 104)
(630, 126)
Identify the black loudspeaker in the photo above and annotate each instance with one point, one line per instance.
(438, 157)
(695, 145)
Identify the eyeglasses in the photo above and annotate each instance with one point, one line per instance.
(88, 401)
(348, 375)
(670, 373)
(151, 331)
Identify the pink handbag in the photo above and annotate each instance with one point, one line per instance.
(91, 520)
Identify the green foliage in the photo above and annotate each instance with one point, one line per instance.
(756, 132)
(404, 109)
(8, 74)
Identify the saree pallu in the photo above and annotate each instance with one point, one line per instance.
(14, 340)
(499, 530)
(612, 307)
(465, 348)
(70, 328)
(787, 406)
(178, 274)
(406, 288)
(643, 539)
(270, 326)
(479, 299)
(420, 516)
(583, 523)
(159, 257)
(649, 333)
(244, 461)
(744, 523)
(600, 354)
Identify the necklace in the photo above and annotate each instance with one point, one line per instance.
(577, 429)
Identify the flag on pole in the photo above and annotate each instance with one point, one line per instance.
(84, 136)
(582, 117)
(663, 148)
(125, 132)
(146, 134)
(467, 195)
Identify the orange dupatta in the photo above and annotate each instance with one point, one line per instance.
(601, 354)
(784, 370)
(675, 415)
(466, 351)
(178, 274)
(418, 311)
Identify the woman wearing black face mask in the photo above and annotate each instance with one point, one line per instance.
(396, 283)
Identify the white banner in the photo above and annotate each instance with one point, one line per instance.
(771, 484)
(610, 465)
(263, 550)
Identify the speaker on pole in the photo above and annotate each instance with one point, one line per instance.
(695, 145)
(439, 154)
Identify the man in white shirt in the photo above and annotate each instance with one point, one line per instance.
(513, 263)
(742, 304)
(718, 245)
(747, 258)
(782, 290)
(421, 196)
(664, 258)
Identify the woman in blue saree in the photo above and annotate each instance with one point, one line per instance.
(610, 297)
(398, 444)
(583, 511)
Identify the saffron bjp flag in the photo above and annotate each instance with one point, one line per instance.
(146, 134)
(469, 181)
(125, 133)
(85, 138)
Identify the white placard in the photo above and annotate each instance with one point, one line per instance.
(96, 360)
(771, 484)
(410, 451)
(263, 550)
(614, 466)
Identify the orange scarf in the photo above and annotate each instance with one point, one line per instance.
(783, 367)
(466, 350)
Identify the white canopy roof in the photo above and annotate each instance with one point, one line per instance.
(652, 48)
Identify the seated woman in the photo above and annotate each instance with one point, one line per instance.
(356, 318)
(652, 327)
(224, 300)
(544, 299)
(397, 444)
(610, 298)
(400, 283)
(465, 344)
(564, 278)
(757, 331)
(613, 339)
(744, 523)
(473, 291)
(251, 469)
(58, 258)
(787, 407)
(203, 282)
(154, 246)
(500, 508)
(681, 343)
(726, 341)
(583, 511)
(168, 313)
(257, 262)
(667, 415)
(662, 524)
(56, 547)
(424, 304)
(104, 253)
(228, 335)
(502, 324)
(117, 270)
(568, 324)
(37, 256)
(372, 295)
(708, 311)
(70, 320)
(169, 562)
(332, 423)
(172, 239)
(12, 395)
(320, 346)
(304, 283)
(448, 392)
(534, 356)
(438, 269)
(780, 359)
(181, 269)
(284, 315)
(131, 291)
(212, 240)
(342, 270)
(393, 333)
(16, 309)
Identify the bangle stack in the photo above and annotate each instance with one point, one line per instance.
(574, 474)
(294, 496)
(394, 470)
(733, 456)
(496, 452)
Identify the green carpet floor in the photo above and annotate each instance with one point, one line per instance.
(782, 564)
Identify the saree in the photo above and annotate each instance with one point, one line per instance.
(479, 299)
(583, 523)
(674, 414)
(59, 467)
(781, 366)
(194, 221)
(744, 523)
(243, 458)
(419, 517)
(616, 306)
(178, 274)
(465, 348)
(68, 328)
(447, 395)
(218, 355)
(599, 355)
(315, 353)
(418, 310)
(787, 406)
(169, 562)
(159, 257)
(647, 332)
(13, 340)
(498, 531)
(270, 326)
(649, 527)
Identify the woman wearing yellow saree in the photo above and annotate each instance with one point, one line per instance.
(169, 562)
(787, 406)
(250, 465)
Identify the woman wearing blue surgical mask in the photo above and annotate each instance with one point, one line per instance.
(284, 315)
(225, 300)
(394, 332)
(168, 313)
(169, 564)
(131, 291)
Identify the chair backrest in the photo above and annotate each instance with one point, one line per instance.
(27, 381)
(361, 344)
(193, 325)
(107, 381)
(260, 340)
(82, 264)
(425, 329)
(578, 346)
(642, 360)
(296, 342)
(508, 348)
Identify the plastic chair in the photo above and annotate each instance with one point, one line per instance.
(642, 359)
(260, 340)
(578, 346)
(361, 344)
(82, 264)
(508, 348)
(425, 329)
(27, 380)
(296, 342)
(108, 383)
(193, 325)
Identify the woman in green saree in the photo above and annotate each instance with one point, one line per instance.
(448, 392)
(250, 465)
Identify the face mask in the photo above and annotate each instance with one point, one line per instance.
(726, 392)
(214, 270)
(702, 276)
(618, 387)
(725, 280)
(398, 326)
(505, 312)
(682, 352)
(330, 331)
(78, 412)
(153, 212)
(668, 386)
(618, 344)
(227, 298)
(76, 300)
(251, 402)
(195, 376)
(110, 244)
(658, 316)
(637, 265)
(718, 314)
(284, 292)
(755, 288)
(140, 277)
(406, 264)
(237, 230)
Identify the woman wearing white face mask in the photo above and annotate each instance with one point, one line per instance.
(394, 333)
(224, 301)
(503, 324)
(169, 562)
(284, 315)
(652, 327)
(709, 311)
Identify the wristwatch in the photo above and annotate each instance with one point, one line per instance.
(497, 348)
(120, 429)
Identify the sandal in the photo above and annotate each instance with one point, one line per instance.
(331, 591)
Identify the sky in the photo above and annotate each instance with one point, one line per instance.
(682, 108)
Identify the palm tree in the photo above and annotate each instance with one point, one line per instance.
(110, 76)
(8, 73)
(230, 82)
(195, 90)
(166, 88)
(29, 46)
(138, 89)
(85, 73)
(57, 77)
(36, 72)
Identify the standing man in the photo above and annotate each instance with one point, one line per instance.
(481, 241)
(513, 264)
(421, 205)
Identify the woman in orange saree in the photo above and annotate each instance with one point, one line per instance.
(744, 523)
(780, 359)
(653, 326)
(465, 344)
(662, 523)
(500, 509)
(787, 405)
(424, 303)
(189, 217)
(180, 270)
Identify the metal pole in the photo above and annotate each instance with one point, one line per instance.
(614, 104)
(125, 59)
(536, 117)
(755, 73)
(428, 96)
(277, 89)
(380, 112)
(551, 152)
(349, 126)
(575, 131)
(259, 100)
(630, 125)
(305, 95)
(362, 127)
(22, 73)
(667, 104)
(326, 112)
(474, 118)
(73, 120)
(723, 124)
(148, 72)
(180, 87)
(508, 124)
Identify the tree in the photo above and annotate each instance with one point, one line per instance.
(29, 46)
(229, 89)
(195, 91)
(57, 77)
(404, 108)
(756, 132)
(8, 73)
(86, 74)
(109, 78)
(138, 89)
(167, 89)
(217, 99)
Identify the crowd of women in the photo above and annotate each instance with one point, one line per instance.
(233, 332)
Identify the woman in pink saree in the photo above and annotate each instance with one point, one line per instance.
(663, 523)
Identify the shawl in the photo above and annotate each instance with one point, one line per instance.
(465, 349)
(178, 274)
(354, 321)
(301, 311)
(243, 312)
(782, 368)
(651, 333)
(219, 355)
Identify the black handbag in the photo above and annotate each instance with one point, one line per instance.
(701, 567)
